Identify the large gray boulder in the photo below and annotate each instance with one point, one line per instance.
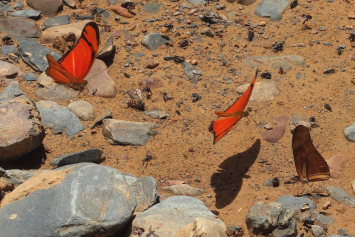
(76, 200)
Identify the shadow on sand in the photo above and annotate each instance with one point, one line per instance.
(228, 180)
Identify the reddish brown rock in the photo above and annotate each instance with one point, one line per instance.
(336, 165)
(276, 133)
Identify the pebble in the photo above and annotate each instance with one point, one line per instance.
(83, 109)
(196, 2)
(8, 70)
(336, 165)
(287, 62)
(121, 11)
(19, 26)
(278, 131)
(152, 8)
(341, 195)
(153, 41)
(34, 54)
(349, 132)
(184, 189)
(56, 21)
(93, 156)
(273, 182)
(263, 91)
(30, 77)
(159, 114)
(317, 231)
(151, 63)
(27, 13)
(47, 7)
(100, 83)
(245, 2)
(68, 123)
(120, 132)
(272, 9)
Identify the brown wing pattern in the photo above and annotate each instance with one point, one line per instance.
(310, 165)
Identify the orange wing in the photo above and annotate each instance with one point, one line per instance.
(77, 62)
(234, 113)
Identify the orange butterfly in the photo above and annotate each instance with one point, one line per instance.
(72, 68)
(232, 115)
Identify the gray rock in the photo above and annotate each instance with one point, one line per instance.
(159, 114)
(295, 203)
(83, 109)
(196, 2)
(59, 118)
(263, 91)
(47, 7)
(90, 200)
(270, 218)
(341, 195)
(287, 62)
(24, 133)
(30, 77)
(9, 49)
(17, 177)
(100, 82)
(27, 13)
(8, 70)
(12, 91)
(184, 189)
(179, 216)
(153, 8)
(112, 2)
(324, 220)
(272, 8)
(70, 3)
(34, 54)
(127, 133)
(299, 119)
(93, 155)
(245, 2)
(317, 231)
(57, 21)
(153, 41)
(349, 132)
(146, 195)
(18, 5)
(49, 90)
(190, 71)
(20, 26)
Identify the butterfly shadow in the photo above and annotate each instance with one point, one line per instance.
(33, 160)
(228, 180)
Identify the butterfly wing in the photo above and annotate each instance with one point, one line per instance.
(310, 165)
(222, 126)
(78, 61)
(58, 72)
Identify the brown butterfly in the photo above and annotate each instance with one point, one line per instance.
(310, 165)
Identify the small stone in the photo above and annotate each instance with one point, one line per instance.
(70, 3)
(196, 2)
(298, 119)
(151, 63)
(326, 205)
(263, 91)
(271, 8)
(245, 2)
(336, 165)
(50, 112)
(152, 8)
(20, 26)
(119, 132)
(185, 189)
(93, 155)
(153, 41)
(47, 7)
(235, 231)
(349, 133)
(27, 13)
(9, 49)
(57, 21)
(276, 133)
(317, 231)
(121, 11)
(341, 195)
(159, 114)
(273, 182)
(8, 70)
(83, 109)
(30, 77)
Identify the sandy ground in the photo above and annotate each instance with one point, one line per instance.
(233, 171)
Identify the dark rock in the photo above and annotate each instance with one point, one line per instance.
(90, 200)
(47, 7)
(59, 118)
(341, 195)
(20, 26)
(25, 132)
(272, 8)
(179, 216)
(27, 13)
(127, 133)
(108, 53)
(93, 155)
(245, 2)
(153, 41)
(34, 54)
(57, 21)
